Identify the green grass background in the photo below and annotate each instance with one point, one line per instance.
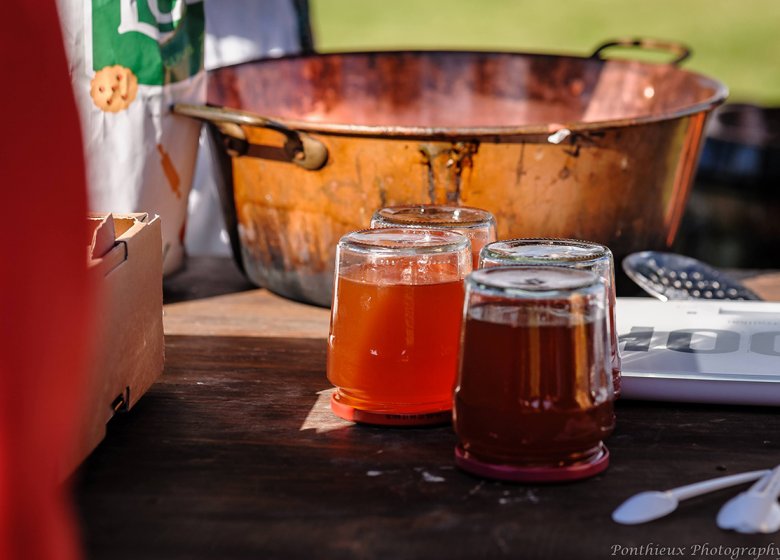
(735, 41)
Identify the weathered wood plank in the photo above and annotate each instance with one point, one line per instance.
(235, 454)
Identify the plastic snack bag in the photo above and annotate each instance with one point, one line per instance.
(130, 60)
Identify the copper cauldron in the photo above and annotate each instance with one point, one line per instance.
(559, 146)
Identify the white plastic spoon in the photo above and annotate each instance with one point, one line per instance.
(756, 510)
(646, 506)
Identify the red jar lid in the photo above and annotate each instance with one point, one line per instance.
(585, 469)
(378, 418)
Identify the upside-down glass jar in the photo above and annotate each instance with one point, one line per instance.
(572, 253)
(476, 224)
(534, 397)
(395, 325)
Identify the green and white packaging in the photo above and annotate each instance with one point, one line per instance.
(130, 60)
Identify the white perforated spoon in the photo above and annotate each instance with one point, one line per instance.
(646, 506)
(756, 510)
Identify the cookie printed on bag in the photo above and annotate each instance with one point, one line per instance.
(114, 88)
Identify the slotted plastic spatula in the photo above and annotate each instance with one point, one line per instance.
(669, 276)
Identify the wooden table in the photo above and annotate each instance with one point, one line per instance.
(234, 453)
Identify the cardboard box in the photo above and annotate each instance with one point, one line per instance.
(125, 259)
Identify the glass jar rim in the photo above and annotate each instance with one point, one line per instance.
(435, 215)
(521, 251)
(405, 241)
(535, 281)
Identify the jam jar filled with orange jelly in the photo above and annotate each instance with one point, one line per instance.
(534, 397)
(395, 325)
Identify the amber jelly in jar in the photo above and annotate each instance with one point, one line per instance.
(572, 253)
(395, 325)
(534, 398)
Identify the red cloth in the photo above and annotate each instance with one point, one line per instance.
(45, 301)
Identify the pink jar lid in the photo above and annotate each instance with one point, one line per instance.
(590, 467)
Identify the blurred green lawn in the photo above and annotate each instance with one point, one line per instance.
(735, 41)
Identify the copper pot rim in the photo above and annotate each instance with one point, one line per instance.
(541, 130)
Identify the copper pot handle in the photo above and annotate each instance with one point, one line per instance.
(680, 51)
(301, 149)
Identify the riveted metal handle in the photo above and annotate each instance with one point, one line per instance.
(301, 149)
(680, 51)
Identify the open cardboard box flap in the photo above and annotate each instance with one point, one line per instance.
(124, 256)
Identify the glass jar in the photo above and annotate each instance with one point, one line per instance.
(534, 397)
(476, 224)
(573, 253)
(395, 325)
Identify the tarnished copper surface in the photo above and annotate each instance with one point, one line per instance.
(461, 128)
